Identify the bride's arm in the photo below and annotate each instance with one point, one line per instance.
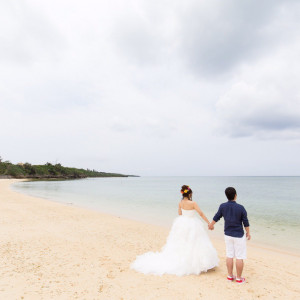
(200, 212)
(179, 210)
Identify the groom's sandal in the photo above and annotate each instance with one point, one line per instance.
(229, 278)
(241, 280)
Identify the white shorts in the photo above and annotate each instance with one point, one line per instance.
(236, 247)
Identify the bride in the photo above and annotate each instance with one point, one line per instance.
(188, 249)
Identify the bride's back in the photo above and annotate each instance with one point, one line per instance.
(187, 204)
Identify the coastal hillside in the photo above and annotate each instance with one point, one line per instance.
(48, 170)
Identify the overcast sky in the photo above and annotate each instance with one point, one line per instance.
(152, 87)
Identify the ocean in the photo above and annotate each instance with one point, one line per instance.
(272, 203)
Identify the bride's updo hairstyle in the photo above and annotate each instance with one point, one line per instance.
(187, 192)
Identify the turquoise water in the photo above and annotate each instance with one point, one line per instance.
(273, 203)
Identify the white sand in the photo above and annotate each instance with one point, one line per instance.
(54, 251)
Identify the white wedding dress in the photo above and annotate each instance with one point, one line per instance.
(188, 250)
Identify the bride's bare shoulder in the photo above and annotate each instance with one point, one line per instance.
(194, 203)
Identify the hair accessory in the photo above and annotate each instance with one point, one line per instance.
(186, 190)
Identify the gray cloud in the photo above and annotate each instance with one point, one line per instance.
(274, 121)
(211, 39)
(264, 101)
(267, 125)
(219, 36)
(137, 40)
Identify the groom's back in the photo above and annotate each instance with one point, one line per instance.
(235, 216)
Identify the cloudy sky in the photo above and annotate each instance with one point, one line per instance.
(152, 87)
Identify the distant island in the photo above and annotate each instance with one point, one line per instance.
(49, 171)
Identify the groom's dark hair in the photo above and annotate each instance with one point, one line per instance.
(230, 193)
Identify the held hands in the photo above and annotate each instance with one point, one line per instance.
(211, 226)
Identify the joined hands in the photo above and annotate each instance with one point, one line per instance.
(211, 226)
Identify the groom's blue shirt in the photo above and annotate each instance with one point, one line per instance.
(235, 216)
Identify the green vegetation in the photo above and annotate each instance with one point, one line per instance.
(49, 170)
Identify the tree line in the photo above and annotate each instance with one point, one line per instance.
(48, 170)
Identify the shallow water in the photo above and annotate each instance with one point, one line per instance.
(272, 203)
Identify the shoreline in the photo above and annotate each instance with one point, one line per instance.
(213, 235)
(51, 250)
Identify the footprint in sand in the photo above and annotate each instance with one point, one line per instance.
(110, 275)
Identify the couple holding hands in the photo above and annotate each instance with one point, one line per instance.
(188, 249)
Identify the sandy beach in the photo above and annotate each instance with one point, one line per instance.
(55, 251)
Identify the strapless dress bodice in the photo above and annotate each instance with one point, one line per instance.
(188, 212)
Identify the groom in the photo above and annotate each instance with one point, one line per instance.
(235, 217)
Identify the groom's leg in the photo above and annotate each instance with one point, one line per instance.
(239, 267)
(241, 254)
(229, 254)
(229, 263)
